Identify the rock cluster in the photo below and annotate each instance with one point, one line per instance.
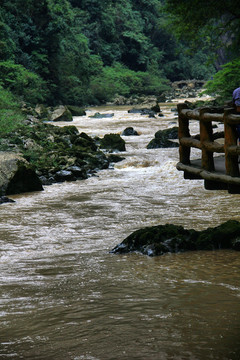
(57, 113)
(134, 100)
(184, 89)
(161, 239)
(144, 111)
(56, 153)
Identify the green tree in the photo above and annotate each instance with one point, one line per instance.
(225, 81)
(209, 23)
(11, 116)
(46, 39)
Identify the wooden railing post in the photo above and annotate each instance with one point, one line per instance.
(206, 135)
(183, 131)
(231, 159)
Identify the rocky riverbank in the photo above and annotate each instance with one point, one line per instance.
(39, 153)
(178, 90)
(57, 154)
(161, 239)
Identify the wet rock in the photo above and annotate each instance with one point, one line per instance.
(16, 175)
(135, 111)
(129, 131)
(143, 111)
(156, 108)
(78, 172)
(112, 158)
(5, 199)
(64, 175)
(162, 137)
(169, 238)
(97, 115)
(112, 143)
(148, 112)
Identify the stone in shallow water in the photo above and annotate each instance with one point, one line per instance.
(4, 199)
(162, 139)
(97, 115)
(129, 131)
(112, 143)
(161, 239)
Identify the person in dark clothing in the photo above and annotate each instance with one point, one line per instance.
(236, 104)
(236, 99)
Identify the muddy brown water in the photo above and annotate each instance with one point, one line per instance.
(64, 297)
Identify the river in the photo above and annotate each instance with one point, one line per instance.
(64, 297)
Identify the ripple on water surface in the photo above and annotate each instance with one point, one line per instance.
(63, 296)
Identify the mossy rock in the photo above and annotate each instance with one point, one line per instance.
(112, 158)
(162, 137)
(66, 130)
(56, 149)
(112, 143)
(61, 113)
(161, 239)
(76, 110)
(42, 111)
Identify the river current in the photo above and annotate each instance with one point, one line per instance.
(65, 297)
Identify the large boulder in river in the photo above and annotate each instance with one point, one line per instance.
(61, 113)
(97, 115)
(162, 139)
(129, 131)
(112, 143)
(161, 239)
(16, 175)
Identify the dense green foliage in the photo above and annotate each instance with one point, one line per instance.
(207, 23)
(225, 81)
(10, 112)
(213, 25)
(88, 51)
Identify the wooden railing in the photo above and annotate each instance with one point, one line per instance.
(229, 177)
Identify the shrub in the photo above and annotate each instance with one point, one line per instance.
(119, 80)
(225, 81)
(11, 116)
(23, 83)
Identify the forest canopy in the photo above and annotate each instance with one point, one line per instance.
(88, 51)
(213, 25)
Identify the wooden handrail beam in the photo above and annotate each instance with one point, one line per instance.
(212, 117)
(213, 146)
(190, 142)
(190, 114)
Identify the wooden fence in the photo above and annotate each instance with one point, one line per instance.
(218, 173)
